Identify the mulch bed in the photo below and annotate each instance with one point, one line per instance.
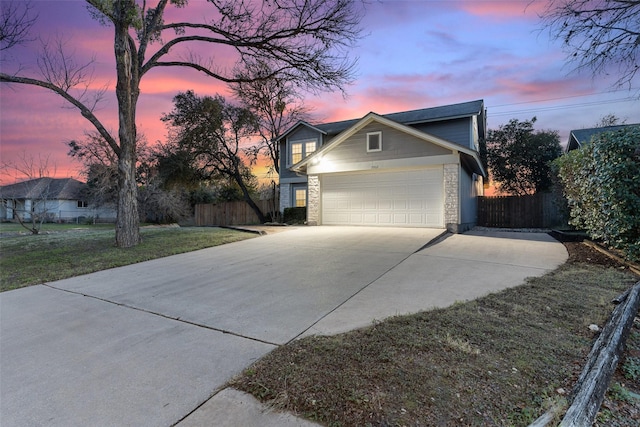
(580, 252)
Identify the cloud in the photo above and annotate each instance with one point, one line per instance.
(530, 90)
(170, 82)
(380, 16)
(502, 10)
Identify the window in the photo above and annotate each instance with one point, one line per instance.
(300, 197)
(309, 148)
(296, 153)
(82, 204)
(300, 150)
(374, 141)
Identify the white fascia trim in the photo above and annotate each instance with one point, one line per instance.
(410, 162)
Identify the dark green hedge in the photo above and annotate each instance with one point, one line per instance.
(295, 215)
(601, 183)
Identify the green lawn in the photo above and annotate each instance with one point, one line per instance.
(14, 227)
(67, 250)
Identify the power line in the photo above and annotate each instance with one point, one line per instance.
(565, 97)
(561, 107)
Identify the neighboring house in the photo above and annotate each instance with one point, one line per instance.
(58, 199)
(580, 137)
(416, 168)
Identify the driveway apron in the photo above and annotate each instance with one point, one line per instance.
(148, 343)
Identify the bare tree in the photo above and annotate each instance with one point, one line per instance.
(598, 35)
(16, 21)
(277, 104)
(29, 199)
(609, 120)
(100, 168)
(306, 41)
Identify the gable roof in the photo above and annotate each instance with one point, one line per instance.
(384, 120)
(299, 123)
(424, 115)
(579, 137)
(40, 188)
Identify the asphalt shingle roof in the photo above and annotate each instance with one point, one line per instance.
(464, 109)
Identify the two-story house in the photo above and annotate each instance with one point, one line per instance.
(419, 168)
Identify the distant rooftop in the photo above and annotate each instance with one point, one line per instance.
(579, 137)
(49, 188)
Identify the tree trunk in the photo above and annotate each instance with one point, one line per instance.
(256, 209)
(128, 220)
(127, 91)
(249, 200)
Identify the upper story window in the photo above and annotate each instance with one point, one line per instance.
(374, 141)
(82, 204)
(300, 150)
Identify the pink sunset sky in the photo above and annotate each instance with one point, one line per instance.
(416, 54)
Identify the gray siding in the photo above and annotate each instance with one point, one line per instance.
(456, 130)
(468, 199)
(395, 145)
(303, 132)
(284, 171)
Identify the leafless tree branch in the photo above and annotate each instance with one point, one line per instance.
(16, 20)
(602, 36)
(86, 112)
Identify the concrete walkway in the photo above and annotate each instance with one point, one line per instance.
(150, 344)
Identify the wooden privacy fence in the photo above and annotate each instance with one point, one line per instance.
(540, 210)
(232, 213)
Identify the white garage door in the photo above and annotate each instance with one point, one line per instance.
(409, 198)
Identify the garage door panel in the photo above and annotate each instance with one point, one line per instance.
(400, 198)
(400, 218)
(400, 205)
(416, 205)
(357, 218)
(342, 204)
(385, 193)
(417, 218)
(370, 205)
(368, 218)
(384, 219)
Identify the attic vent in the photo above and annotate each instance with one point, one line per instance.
(374, 141)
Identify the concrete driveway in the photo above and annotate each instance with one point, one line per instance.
(148, 344)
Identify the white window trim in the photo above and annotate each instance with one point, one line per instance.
(379, 134)
(303, 143)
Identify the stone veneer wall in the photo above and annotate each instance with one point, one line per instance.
(285, 196)
(451, 197)
(313, 200)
